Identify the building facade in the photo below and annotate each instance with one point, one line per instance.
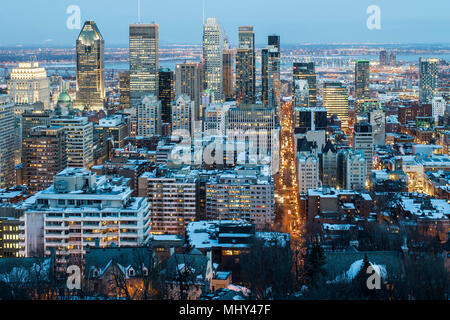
(29, 84)
(149, 117)
(79, 140)
(81, 209)
(7, 175)
(335, 100)
(43, 156)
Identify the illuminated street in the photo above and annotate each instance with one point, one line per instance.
(286, 185)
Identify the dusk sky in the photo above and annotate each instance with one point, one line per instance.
(43, 22)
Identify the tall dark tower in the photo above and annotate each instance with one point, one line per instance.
(90, 48)
(245, 67)
(265, 76)
(428, 79)
(362, 72)
(166, 93)
(227, 72)
(270, 72)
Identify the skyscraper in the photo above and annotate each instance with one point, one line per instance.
(383, 57)
(228, 81)
(144, 65)
(90, 48)
(306, 71)
(335, 100)
(212, 58)
(270, 72)
(264, 76)
(189, 81)
(362, 72)
(166, 93)
(245, 67)
(428, 79)
(6, 142)
(245, 93)
(273, 76)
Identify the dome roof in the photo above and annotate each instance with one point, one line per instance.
(64, 97)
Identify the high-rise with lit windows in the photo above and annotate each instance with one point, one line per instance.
(90, 48)
(270, 72)
(166, 93)
(79, 140)
(144, 64)
(189, 81)
(213, 58)
(428, 79)
(43, 156)
(335, 101)
(362, 74)
(245, 67)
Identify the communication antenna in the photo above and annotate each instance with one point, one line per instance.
(139, 11)
(203, 11)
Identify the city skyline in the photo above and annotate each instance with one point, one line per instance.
(347, 25)
(246, 166)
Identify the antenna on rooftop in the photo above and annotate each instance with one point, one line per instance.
(203, 11)
(139, 11)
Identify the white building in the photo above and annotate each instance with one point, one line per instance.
(212, 55)
(355, 171)
(308, 171)
(79, 140)
(438, 108)
(149, 117)
(363, 140)
(214, 118)
(29, 84)
(82, 209)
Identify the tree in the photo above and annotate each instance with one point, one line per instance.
(314, 264)
(267, 269)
